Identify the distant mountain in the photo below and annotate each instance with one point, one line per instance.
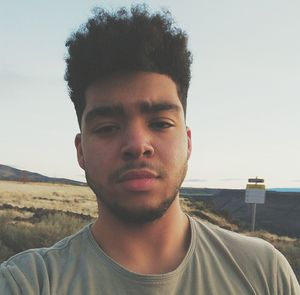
(285, 189)
(10, 173)
(280, 213)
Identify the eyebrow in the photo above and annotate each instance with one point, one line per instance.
(118, 110)
(158, 107)
(104, 111)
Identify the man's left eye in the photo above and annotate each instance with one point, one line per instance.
(161, 125)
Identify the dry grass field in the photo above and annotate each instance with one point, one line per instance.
(39, 214)
(61, 197)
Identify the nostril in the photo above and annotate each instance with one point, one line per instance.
(149, 152)
(132, 151)
(128, 154)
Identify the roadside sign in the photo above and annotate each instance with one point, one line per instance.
(256, 180)
(255, 193)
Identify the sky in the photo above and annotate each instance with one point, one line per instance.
(243, 103)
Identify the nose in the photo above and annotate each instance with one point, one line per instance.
(136, 144)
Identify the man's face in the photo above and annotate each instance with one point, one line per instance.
(134, 145)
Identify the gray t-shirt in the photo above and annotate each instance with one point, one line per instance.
(217, 262)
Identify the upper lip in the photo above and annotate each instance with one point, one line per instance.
(137, 174)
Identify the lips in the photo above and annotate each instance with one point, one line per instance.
(137, 174)
(138, 180)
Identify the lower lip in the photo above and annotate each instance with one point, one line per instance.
(139, 184)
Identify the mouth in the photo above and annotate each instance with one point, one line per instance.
(138, 180)
(137, 174)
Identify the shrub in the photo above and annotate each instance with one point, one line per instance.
(19, 236)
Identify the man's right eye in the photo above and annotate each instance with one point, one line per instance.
(106, 130)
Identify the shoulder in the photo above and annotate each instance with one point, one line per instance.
(254, 258)
(233, 241)
(211, 232)
(32, 268)
(235, 249)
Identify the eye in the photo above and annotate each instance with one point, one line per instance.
(160, 125)
(106, 129)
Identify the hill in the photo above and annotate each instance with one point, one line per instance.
(279, 215)
(10, 173)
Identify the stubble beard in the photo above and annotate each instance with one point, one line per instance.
(136, 216)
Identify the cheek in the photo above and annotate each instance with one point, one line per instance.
(99, 157)
(174, 152)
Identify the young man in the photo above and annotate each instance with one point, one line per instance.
(128, 75)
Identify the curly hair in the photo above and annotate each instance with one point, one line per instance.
(126, 41)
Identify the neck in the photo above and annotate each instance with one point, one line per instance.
(154, 247)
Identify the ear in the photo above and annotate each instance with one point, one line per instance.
(78, 145)
(189, 142)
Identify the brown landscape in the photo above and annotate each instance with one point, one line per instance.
(39, 214)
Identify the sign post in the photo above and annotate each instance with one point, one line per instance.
(255, 194)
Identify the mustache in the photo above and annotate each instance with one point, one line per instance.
(136, 165)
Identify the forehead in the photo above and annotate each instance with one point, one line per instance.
(139, 90)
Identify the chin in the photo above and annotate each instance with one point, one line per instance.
(139, 214)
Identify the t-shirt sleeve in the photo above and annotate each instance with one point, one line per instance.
(8, 285)
(287, 283)
(24, 274)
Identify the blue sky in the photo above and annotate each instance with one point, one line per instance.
(244, 99)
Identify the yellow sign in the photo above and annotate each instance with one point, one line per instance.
(256, 186)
